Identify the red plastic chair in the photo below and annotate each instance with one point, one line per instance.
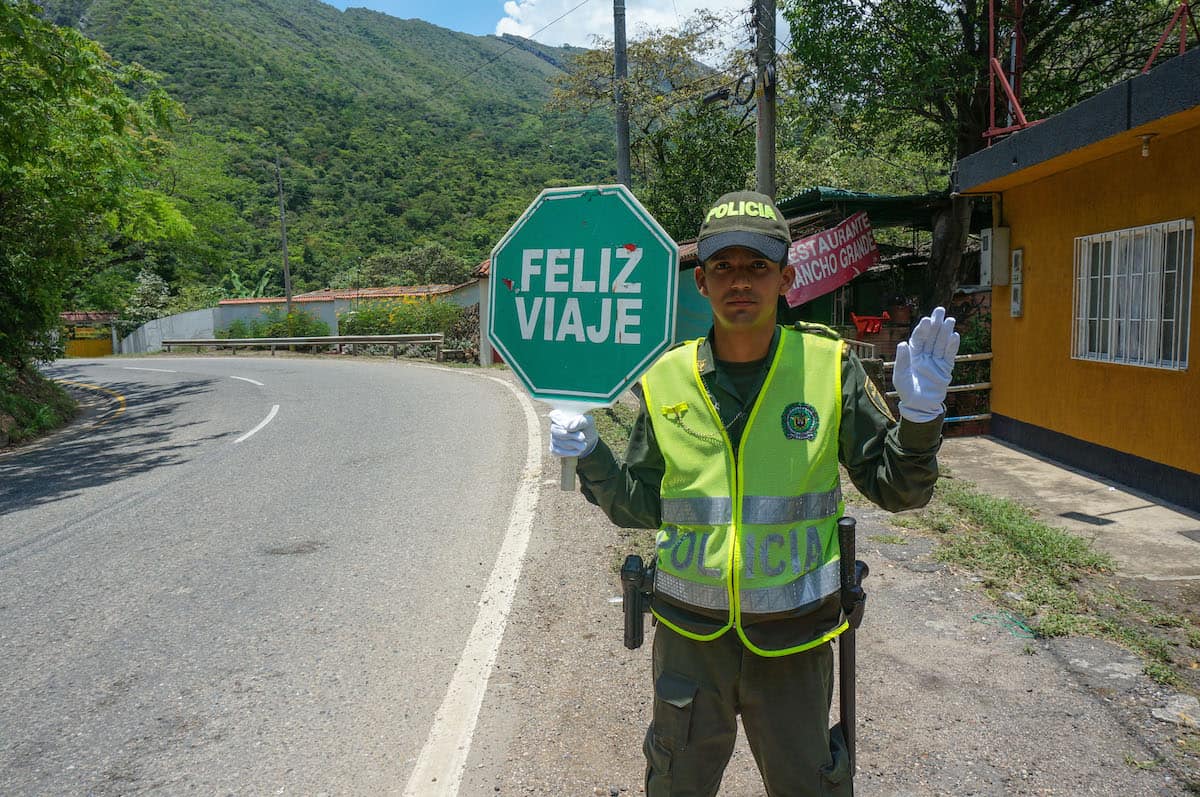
(869, 324)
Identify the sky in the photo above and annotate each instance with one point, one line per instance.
(583, 18)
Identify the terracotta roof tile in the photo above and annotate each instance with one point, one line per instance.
(379, 293)
(87, 316)
(276, 300)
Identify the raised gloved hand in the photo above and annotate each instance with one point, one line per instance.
(924, 365)
(572, 434)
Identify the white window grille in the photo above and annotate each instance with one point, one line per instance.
(1133, 292)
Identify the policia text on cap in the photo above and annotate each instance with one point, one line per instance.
(734, 458)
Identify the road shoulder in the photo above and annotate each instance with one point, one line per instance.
(949, 702)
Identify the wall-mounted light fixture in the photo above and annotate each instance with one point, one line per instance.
(1145, 137)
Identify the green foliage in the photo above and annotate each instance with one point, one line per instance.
(909, 78)
(391, 134)
(683, 152)
(919, 67)
(240, 290)
(401, 318)
(817, 147)
(1048, 575)
(707, 151)
(30, 405)
(79, 148)
(275, 323)
(975, 336)
(148, 302)
(193, 297)
(427, 264)
(238, 328)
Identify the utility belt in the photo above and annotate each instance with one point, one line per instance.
(637, 591)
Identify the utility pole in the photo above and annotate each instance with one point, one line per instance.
(764, 58)
(619, 73)
(287, 272)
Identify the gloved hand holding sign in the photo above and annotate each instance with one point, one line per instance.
(572, 434)
(924, 366)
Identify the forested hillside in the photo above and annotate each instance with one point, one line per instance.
(390, 134)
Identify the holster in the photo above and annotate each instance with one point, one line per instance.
(637, 588)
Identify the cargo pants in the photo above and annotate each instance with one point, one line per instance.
(701, 687)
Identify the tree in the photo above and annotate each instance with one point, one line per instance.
(919, 68)
(683, 152)
(706, 151)
(77, 156)
(148, 301)
(427, 264)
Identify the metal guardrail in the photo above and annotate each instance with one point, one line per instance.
(962, 358)
(395, 341)
(864, 350)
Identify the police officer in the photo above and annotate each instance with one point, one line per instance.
(734, 459)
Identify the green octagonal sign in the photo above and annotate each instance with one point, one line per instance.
(582, 294)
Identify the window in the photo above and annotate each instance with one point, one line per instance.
(1133, 293)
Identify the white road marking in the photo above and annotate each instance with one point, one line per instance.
(160, 370)
(439, 768)
(246, 379)
(270, 417)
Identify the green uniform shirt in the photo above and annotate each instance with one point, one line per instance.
(893, 464)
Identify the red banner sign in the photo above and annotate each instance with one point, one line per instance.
(831, 258)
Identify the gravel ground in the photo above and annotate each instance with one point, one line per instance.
(948, 704)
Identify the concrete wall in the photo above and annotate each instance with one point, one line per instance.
(149, 336)
(693, 313)
(1145, 412)
(464, 295)
(487, 355)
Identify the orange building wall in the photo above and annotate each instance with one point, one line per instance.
(1147, 412)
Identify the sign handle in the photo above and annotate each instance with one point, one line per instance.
(566, 480)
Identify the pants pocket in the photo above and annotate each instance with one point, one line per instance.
(674, 696)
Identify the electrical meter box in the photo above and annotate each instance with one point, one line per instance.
(993, 256)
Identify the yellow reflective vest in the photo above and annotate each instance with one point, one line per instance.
(752, 537)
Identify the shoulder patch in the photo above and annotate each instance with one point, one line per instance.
(878, 400)
(817, 329)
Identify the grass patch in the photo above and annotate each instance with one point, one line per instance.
(1054, 578)
(1190, 744)
(614, 424)
(889, 539)
(30, 405)
(1131, 761)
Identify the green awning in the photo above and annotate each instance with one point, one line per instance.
(885, 210)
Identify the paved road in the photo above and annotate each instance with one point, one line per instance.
(183, 606)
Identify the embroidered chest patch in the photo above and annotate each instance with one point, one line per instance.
(800, 421)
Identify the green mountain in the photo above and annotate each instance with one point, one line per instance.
(390, 133)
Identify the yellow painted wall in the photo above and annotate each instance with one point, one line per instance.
(1147, 412)
(94, 347)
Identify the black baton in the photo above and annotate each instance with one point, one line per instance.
(853, 601)
(632, 579)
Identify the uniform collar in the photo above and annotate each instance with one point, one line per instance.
(707, 363)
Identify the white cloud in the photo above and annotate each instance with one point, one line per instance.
(595, 18)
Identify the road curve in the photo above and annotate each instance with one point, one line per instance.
(180, 610)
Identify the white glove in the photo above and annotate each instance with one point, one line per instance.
(924, 366)
(572, 434)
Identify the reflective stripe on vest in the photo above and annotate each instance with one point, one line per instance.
(755, 509)
(808, 589)
(762, 526)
